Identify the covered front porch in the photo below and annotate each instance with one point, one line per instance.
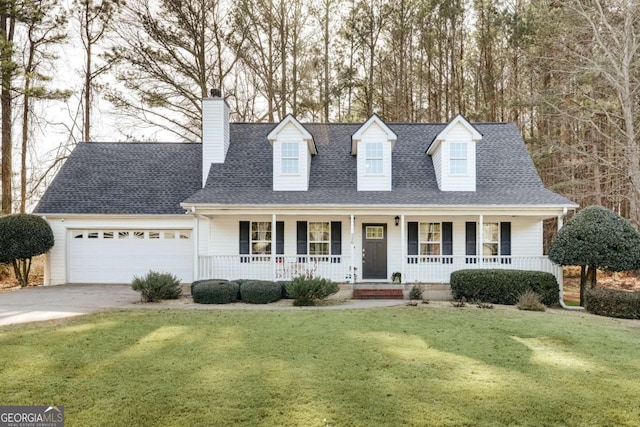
(366, 246)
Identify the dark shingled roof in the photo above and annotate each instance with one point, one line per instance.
(506, 174)
(125, 178)
(153, 178)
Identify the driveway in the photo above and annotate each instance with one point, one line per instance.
(56, 302)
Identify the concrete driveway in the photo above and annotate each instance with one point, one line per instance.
(56, 302)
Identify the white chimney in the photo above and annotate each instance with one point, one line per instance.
(215, 131)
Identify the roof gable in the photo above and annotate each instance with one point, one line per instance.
(304, 133)
(374, 120)
(457, 120)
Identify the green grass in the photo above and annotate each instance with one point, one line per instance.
(397, 366)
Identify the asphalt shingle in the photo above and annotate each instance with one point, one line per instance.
(153, 178)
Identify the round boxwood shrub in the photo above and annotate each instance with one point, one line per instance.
(193, 284)
(503, 286)
(215, 292)
(260, 292)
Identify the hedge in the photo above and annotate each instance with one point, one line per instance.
(193, 284)
(503, 286)
(612, 303)
(215, 292)
(260, 292)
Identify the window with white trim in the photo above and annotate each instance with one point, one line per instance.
(458, 158)
(430, 238)
(319, 238)
(290, 157)
(490, 239)
(260, 243)
(373, 158)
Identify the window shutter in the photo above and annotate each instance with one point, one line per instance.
(470, 241)
(279, 237)
(505, 241)
(244, 240)
(336, 238)
(301, 231)
(447, 238)
(412, 238)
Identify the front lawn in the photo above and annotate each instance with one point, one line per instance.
(396, 366)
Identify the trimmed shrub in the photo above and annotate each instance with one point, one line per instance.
(23, 236)
(503, 286)
(284, 285)
(530, 301)
(155, 286)
(193, 284)
(260, 292)
(612, 303)
(308, 291)
(215, 292)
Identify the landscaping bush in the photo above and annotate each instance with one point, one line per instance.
(608, 302)
(215, 292)
(530, 300)
(193, 284)
(415, 293)
(283, 286)
(503, 286)
(156, 286)
(23, 236)
(260, 292)
(308, 291)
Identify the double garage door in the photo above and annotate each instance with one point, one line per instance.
(115, 256)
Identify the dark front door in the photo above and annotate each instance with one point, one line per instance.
(374, 251)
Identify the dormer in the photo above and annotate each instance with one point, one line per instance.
(293, 147)
(454, 155)
(372, 144)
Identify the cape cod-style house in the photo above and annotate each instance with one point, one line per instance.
(349, 202)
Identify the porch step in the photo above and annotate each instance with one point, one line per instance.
(378, 294)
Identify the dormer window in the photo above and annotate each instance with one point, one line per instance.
(458, 158)
(374, 157)
(290, 158)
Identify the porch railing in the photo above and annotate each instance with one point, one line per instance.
(266, 267)
(438, 269)
(417, 268)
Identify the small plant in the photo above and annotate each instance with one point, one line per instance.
(396, 277)
(308, 291)
(215, 292)
(156, 286)
(260, 292)
(458, 303)
(486, 305)
(415, 293)
(530, 300)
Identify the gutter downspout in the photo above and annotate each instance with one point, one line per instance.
(561, 281)
(196, 243)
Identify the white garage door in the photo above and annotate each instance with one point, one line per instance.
(115, 256)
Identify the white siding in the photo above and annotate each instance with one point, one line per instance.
(291, 182)
(59, 262)
(382, 182)
(451, 182)
(437, 166)
(215, 133)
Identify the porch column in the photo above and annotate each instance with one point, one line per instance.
(353, 248)
(273, 247)
(196, 246)
(480, 240)
(403, 251)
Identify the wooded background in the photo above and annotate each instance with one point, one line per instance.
(566, 71)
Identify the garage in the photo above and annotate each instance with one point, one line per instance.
(116, 255)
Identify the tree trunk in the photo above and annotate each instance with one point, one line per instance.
(7, 23)
(583, 284)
